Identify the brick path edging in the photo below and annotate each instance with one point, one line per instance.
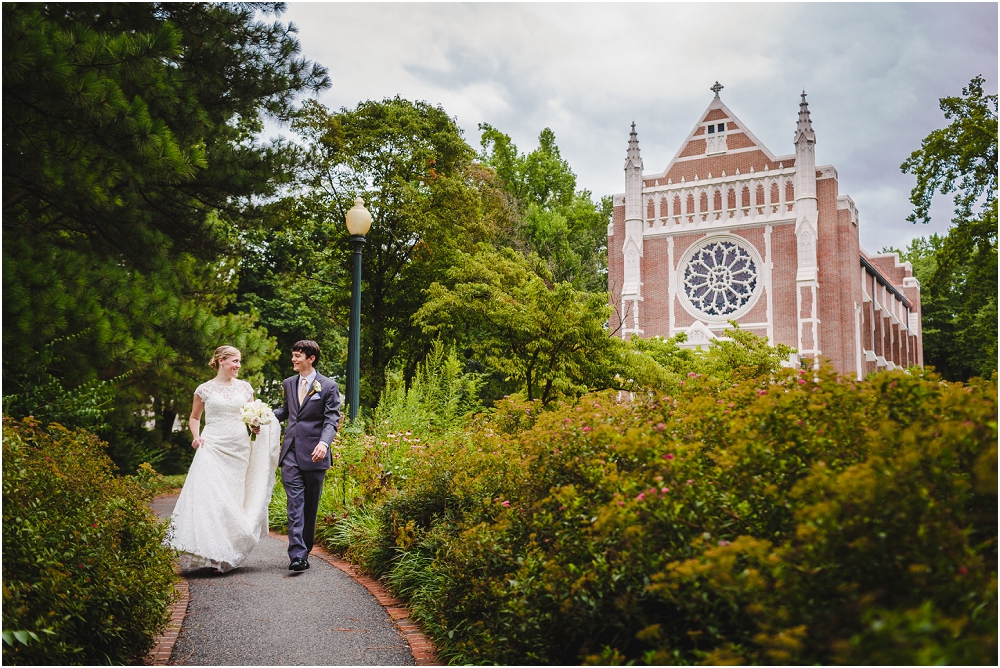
(424, 653)
(164, 647)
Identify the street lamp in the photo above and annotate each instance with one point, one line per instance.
(359, 221)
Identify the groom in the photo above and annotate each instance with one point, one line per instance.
(312, 408)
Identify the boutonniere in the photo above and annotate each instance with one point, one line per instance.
(316, 388)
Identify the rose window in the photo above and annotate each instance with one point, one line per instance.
(720, 278)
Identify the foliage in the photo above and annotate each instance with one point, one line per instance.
(546, 337)
(437, 401)
(428, 201)
(43, 396)
(786, 518)
(564, 227)
(741, 355)
(959, 298)
(130, 172)
(87, 578)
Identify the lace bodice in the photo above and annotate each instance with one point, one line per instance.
(223, 403)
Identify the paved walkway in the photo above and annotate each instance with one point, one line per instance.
(264, 614)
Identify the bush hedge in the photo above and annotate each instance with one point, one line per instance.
(794, 518)
(86, 576)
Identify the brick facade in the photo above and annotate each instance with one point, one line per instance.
(729, 230)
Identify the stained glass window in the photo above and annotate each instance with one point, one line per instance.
(720, 278)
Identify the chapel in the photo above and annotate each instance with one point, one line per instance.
(731, 231)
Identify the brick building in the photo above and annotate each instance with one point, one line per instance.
(731, 231)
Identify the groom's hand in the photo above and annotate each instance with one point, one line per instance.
(319, 452)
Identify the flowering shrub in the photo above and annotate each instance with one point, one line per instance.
(86, 578)
(788, 518)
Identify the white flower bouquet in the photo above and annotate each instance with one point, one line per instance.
(255, 414)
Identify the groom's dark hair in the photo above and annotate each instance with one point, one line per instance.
(308, 348)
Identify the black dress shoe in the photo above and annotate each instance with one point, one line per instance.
(298, 565)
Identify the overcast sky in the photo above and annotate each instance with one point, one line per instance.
(873, 73)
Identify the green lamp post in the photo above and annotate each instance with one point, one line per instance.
(359, 221)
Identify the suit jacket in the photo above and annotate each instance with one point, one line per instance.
(314, 421)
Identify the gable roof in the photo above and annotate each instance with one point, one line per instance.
(744, 150)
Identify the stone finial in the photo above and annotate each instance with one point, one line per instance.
(716, 88)
(804, 128)
(632, 157)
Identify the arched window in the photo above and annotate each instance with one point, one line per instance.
(745, 196)
(677, 205)
(789, 191)
(650, 209)
(703, 202)
(690, 203)
(731, 199)
(664, 211)
(717, 201)
(760, 195)
(774, 193)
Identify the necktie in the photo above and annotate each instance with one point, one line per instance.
(302, 390)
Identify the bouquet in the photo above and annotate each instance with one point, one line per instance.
(255, 414)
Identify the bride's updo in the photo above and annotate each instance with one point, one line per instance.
(222, 353)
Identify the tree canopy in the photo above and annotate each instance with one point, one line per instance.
(959, 271)
(131, 172)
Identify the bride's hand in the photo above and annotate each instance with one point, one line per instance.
(197, 442)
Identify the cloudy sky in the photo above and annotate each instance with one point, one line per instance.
(873, 72)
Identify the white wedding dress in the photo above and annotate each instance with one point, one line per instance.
(221, 513)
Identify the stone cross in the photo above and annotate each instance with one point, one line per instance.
(716, 88)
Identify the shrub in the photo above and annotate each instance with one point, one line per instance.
(790, 518)
(87, 578)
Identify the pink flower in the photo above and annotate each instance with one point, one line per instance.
(505, 504)
(690, 482)
(640, 497)
(725, 412)
(665, 490)
(761, 393)
(802, 381)
(621, 503)
(652, 490)
(691, 374)
(661, 426)
(668, 456)
(95, 525)
(723, 543)
(587, 429)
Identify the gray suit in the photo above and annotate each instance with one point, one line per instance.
(315, 420)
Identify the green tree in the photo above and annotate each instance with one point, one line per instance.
(130, 173)
(960, 296)
(546, 337)
(428, 201)
(563, 226)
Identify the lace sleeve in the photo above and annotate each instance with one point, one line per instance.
(202, 392)
(248, 390)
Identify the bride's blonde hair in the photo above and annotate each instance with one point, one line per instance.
(222, 353)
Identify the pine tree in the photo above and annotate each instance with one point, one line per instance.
(131, 175)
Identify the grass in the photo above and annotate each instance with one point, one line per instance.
(175, 482)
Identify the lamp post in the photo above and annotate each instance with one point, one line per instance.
(359, 221)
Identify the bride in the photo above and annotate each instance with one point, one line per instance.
(221, 513)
